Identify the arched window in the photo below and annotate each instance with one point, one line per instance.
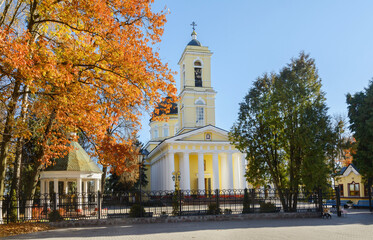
(200, 114)
(165, 130)
(198, 74)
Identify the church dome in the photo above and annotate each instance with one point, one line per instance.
(162, 107)
(194, 41)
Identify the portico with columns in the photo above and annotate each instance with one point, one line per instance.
(203, 165)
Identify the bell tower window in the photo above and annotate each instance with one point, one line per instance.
(198, 74)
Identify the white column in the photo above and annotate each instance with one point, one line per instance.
(163, 178)
(224, 171)
(42, 187)
(85, 192)
(186, 175)
(244, 163)
(156, 176)
(236, 172)
(47, 193)
(215, 171)
(242, 171)
(97, 185)
(230, 171)
(151, 177)
(181, 169)
(171, 169)
(42, 193)
(79, 192)
(156, 186)
(201, 172)
(163, 173)
(55, 186)
(66, 187)
(167, 171)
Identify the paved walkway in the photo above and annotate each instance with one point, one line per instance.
(358, 224)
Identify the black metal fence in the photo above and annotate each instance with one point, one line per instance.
(43, 208)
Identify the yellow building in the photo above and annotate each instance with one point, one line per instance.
(190, 143)
(350, 184)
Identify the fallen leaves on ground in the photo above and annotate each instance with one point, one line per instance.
(22, 228)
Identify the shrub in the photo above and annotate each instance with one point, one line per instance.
(267, 207)
(175, 204)
(213, 209)
(137, 211)
(227, 211)
(246, 202)
(55, 216)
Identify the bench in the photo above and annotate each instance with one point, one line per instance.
(333, 203)
(193, 213)
(362, 203)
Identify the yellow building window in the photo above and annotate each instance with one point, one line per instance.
(354, 189)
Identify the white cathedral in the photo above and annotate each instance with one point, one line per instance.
(189, 144)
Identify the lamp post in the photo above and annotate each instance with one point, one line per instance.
(141, 157)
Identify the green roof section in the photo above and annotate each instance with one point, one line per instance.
(77, 160)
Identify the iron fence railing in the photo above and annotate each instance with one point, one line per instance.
(157, 204)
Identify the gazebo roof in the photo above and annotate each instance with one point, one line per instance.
(77, 160)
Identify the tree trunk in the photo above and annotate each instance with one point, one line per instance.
(370, 194)
(15, 187)
(7, 134)
(37, 164)
(103, 178)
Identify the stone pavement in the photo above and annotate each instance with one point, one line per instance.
(358, 224)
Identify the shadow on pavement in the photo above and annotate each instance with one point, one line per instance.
(361, 217)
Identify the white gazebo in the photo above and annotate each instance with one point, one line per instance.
(75, 174)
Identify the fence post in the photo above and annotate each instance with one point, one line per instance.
(338, 202)
(55, 202)
(320, 200)
(252, 195)
(99, 204)
(217, 197)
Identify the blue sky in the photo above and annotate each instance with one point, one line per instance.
(249, 38)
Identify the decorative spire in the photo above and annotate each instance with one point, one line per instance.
(194, 34)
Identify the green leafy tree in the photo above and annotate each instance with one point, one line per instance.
(360, 112)
(284, 128)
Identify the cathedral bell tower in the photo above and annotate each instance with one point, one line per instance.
(197, 97)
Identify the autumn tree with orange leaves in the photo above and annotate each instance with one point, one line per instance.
(60, 59)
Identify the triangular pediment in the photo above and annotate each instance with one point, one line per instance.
(206, 133)
(351, 169)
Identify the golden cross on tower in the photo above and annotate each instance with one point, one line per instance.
(193, 25)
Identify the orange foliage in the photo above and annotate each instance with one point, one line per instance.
(88, 65)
